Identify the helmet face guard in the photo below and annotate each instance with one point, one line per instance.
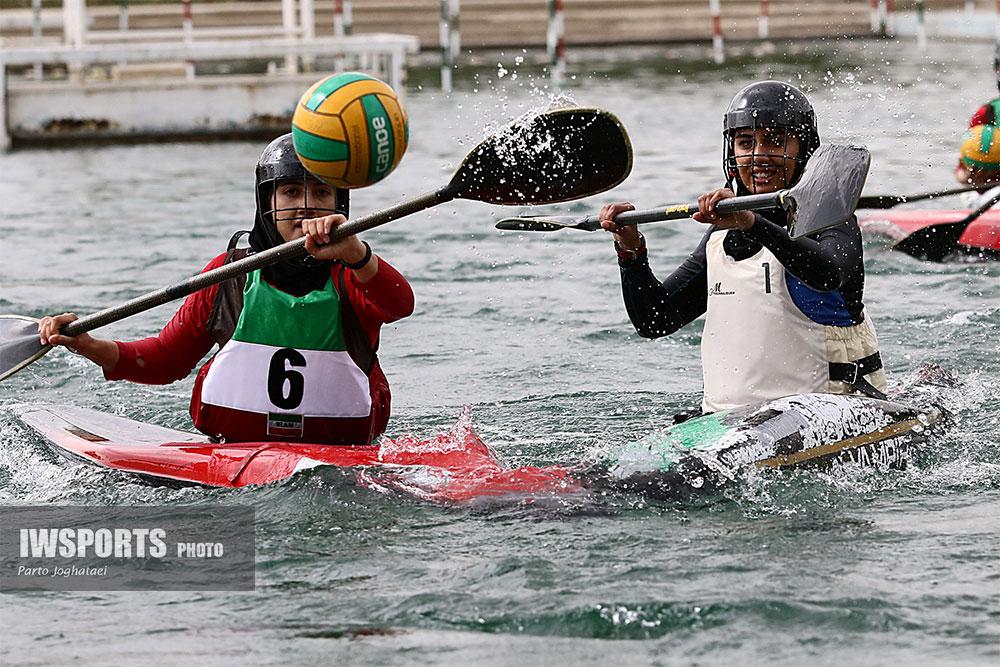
(769, 105)
(277, 164)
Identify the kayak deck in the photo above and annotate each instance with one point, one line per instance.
(696, 456)
(450, 468)
(802, 431)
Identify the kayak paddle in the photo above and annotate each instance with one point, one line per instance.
(936, 242)
(888, 201)
(825, 196)
(542, 159)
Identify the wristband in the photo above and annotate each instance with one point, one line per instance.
(631, 255)
(361, 263)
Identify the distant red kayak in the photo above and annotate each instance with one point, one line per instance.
(897, 224)
(453, 467)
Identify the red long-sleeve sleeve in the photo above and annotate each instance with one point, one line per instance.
(385, 298)
(176, 350)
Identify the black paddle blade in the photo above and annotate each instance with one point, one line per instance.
(19, 344)
(549, 223)
(937, 242)
(932, 243)
(829, 189)
(552, 157)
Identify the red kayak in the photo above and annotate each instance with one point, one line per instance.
(454, 467)
(982, 234)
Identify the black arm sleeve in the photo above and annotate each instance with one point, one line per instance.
(825, 261)
(659, 309)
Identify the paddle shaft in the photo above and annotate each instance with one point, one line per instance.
(889, 201)
(683, 211)
(289, 250)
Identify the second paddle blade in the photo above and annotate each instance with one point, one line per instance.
(19, 343)
(829, 189)
(552, 157)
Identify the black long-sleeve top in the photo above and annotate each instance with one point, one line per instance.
(828, 261)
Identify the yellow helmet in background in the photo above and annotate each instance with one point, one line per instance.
(981, 148)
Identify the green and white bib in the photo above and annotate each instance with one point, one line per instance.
(288, 358)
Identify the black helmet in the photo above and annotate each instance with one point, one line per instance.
(769, 104)
(278, 163)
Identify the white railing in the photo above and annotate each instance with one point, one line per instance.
(381, 54)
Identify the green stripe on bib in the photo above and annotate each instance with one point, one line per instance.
(276, 318)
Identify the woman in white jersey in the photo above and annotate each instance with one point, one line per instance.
(782, 316)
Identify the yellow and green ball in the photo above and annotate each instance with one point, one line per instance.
(350, 130)
(981, 148)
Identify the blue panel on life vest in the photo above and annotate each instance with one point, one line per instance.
(826, 308)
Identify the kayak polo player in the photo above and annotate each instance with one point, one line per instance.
(783, 316)
(298, 339)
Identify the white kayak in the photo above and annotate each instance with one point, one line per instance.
(802, 431)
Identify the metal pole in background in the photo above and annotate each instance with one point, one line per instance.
(4, 132)
(188, 22)
(876, 16)
(36, 33)
(456, 35)
(555, 41)
(74, 32)
(307, 18)
(348, 17)
(921, 25)
(188, 36)
(74, 22)
(450, 41)
(338, 31)
(122, 22)
(718, 48)
(890, 18)
(762, 23)
(288, 23)
(338, 18)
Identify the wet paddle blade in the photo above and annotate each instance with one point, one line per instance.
(829, 189)
(19, 344)
(549, 223)
(932, 243)
(551, 157)
(935, 243)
